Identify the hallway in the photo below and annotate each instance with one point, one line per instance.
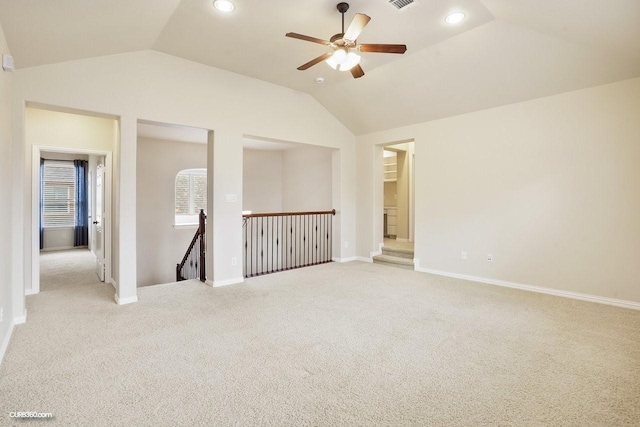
(64, 270)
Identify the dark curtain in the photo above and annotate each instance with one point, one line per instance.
(41, 203)
(81, 234)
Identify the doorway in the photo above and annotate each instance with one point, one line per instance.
(398, 182)
(60, 137)
(56, 228)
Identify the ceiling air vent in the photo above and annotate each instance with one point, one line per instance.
(401, 4)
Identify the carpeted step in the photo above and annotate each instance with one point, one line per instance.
(394, 261)
(396, 252)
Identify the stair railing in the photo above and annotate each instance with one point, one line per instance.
(193, 265)
(283, 241)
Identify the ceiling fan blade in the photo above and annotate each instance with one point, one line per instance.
(357, 25)
(315, 61)
(307, 38)
(383, 48)
(357, 72)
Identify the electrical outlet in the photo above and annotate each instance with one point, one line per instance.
(463, 255)
(234, 261)
(489, 257)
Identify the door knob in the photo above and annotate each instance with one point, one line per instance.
(95, 222)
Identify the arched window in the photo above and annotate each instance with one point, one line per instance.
(191, 195)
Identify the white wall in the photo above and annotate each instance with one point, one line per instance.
(160, 246)
(306, 179)
(261, 181)
(293, 180)
(549, 187)
(6, 290)
(390, 193)
(158, 87)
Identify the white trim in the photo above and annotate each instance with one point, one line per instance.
(378, 252)
(349, 259)
(113, 283)
(19, 320)
(59, 248)
(5, 342)
(364, 259)
(185, 226)
(219, 283)
(538, 289)
(398, 239)
(123, 301)
(35, 208)
(30, 292)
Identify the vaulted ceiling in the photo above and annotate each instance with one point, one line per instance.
(505, 51)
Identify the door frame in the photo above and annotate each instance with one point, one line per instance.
(35, 209)
(378, 193)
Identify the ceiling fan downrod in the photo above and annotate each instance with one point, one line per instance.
(342, 8)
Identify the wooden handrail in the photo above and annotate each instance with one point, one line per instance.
(286, 240)
(190, 248)
(200, 233)
(257, 215)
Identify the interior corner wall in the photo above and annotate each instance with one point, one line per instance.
(261, 181)
(6, 190)
(54, 129)
(549, 187)
(306, 179)
(160, 246)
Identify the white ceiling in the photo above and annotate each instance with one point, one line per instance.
(170, 132)
(505, 51)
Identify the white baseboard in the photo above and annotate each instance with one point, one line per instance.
(30, 292)
(218, 283)
(398, 239)
(58, 248)
(5, 341)
(556, 292)
(113, 283)
(123, 301)
(349, 259)
(364, 259)
(19, 320)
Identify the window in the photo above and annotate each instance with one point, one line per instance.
(59, 189)
(191, 195)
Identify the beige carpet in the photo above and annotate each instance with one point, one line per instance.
(336, 344)
(395, 244)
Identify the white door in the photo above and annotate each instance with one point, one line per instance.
(97, 224)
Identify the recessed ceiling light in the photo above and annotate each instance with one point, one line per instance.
(224, 6)
(454, 18)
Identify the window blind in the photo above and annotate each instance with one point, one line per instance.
(191, 191)
(58, 188)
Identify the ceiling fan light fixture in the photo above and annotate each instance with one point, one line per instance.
(454, 18)
(224, 6)
(339, 56)
(352, 60)
(343, 61)
(332, 63)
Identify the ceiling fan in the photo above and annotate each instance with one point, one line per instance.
(343, 46)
